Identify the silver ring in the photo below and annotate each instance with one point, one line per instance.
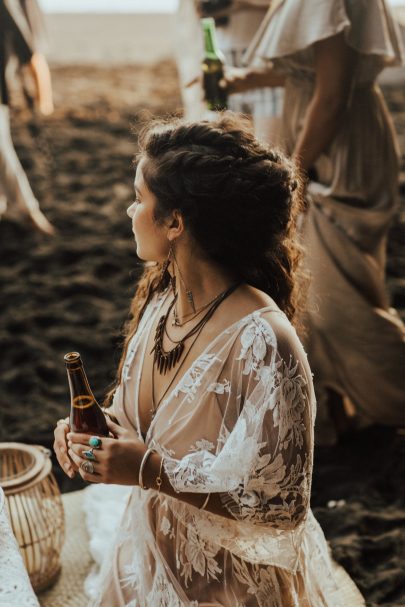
(87, 467)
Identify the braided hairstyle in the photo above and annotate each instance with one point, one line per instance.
(239, 199)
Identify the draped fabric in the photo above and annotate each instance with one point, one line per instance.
(355, 341)
(239, 423)
(291, 27)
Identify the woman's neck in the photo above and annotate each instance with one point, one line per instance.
(197, 282)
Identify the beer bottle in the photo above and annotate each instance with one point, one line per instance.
(86, 414)
(212, 68)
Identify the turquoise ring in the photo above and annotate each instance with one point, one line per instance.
(89, 454)
(95, 442)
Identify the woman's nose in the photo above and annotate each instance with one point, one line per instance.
(131, 210)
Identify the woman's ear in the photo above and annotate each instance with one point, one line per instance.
(175, 225)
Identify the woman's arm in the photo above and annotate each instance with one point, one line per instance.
(239, 80)
(118, 461)
(153, 470)
(42, 78)
(335, 64)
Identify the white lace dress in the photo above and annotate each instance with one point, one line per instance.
(240, 424)
(15, 586)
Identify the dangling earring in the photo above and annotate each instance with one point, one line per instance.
(165, 277)
(189, 293)
(172, 277)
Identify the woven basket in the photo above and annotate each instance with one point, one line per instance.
(35, 509)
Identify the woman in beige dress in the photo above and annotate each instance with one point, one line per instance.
(335, 122)
(215, 404)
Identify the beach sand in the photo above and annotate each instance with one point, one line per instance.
(72, 292)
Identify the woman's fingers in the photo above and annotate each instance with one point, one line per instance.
(83, 439)
(61, 450)
(236, 80)
(87, 469)
(116, 430)
(86, 452)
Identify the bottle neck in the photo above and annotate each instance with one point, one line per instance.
(210, 44)
(80, 390)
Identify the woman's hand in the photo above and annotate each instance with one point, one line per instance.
(241, 79)
(61, 448)
(116, 461)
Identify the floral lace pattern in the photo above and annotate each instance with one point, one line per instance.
(238, 426)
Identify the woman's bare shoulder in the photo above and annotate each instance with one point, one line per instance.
(248, 300)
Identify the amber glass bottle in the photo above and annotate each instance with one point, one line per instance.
(212, 68)
(86, 414)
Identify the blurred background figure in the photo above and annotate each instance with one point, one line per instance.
(336, 124)
(21, 35)
(189, 36)
(237, 21)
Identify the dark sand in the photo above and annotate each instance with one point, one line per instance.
(72, 292)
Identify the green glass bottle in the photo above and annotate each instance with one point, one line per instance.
(212, 68)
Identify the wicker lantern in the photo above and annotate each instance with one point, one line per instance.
(35, 509)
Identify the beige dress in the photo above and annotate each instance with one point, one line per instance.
(356, 343)
(238, 423)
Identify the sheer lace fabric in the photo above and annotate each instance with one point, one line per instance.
(239, 423)
(15, 586)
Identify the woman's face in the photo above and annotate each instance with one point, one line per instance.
(151, 239)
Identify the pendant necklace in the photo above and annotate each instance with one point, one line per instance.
(166, 360)
(191, 315)
(156, 405)
(158, 347)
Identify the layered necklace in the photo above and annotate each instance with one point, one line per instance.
(165, 360)
(176, 322)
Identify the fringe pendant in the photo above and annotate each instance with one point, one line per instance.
(165, 361)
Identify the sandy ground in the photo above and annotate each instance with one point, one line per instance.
(72, 292)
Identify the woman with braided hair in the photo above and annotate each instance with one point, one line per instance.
(214, 404)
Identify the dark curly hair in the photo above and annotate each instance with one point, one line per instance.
(239, 199)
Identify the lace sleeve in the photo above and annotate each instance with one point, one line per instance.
(263, 460)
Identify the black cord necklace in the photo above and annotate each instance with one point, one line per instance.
(192, 315)
(195, 331)
(166, 360)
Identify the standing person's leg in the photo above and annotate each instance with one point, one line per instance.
(13, 180)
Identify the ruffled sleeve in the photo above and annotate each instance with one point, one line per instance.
(291, 26)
